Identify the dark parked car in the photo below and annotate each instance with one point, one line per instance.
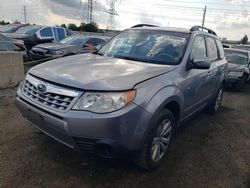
(238, 67)
(69, 46)
(8, 44)
(11, 28)
(129, 97)
(33, 35)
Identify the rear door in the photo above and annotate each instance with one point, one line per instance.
(212, 79)
(194, 81)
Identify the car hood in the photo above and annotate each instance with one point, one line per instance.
(235, 67)
(94, 72)
(53, 46)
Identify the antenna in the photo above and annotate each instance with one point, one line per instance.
(112, 13)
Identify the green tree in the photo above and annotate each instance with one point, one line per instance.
(91, 27)
(82, 27)
(4, 23)
(73, 27)
(63, 25)
(16, 22)
(244, 40)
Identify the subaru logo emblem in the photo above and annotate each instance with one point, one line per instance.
(41, 88)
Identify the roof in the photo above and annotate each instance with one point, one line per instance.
(196, 29)
(181, 30)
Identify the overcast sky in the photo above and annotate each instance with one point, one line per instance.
(229, 18)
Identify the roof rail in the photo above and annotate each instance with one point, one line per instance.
(144, 25)
(200, 28)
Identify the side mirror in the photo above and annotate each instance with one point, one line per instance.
(198, 64)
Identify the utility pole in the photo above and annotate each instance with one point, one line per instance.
(112, 13)
(204, 16)
(90, 11)
(25, 14)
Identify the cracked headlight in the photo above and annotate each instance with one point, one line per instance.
(235, 74)
(104, 102)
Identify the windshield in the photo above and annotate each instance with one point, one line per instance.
(8, 29)
(28, 30)
(73, 40)
(236, 57)
(160, 47)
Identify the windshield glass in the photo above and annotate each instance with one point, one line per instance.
(28, 30)
(236, 57)
(73, 40)
(8, 29)
(160, 47)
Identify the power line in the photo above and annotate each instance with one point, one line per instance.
(112, 13)
(90, 11)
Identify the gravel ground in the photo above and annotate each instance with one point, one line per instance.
(208, 151)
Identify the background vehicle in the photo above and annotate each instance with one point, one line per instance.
(238, 67)
(8, 44)
(243, 47)
(69, 46)
(11, 28)
(33, 35)
(130, 96)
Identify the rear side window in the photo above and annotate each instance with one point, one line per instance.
(212, 49)
(46, 32)
(199, 51)
(221, 50)
(60, 33)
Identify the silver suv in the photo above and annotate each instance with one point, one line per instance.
(127, 98)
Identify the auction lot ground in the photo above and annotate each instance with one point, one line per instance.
(209, 151)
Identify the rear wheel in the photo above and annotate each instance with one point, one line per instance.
(158, 141)
(216, 103)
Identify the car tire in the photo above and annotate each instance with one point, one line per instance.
(214, 106)
(240, 85)
(158, 141)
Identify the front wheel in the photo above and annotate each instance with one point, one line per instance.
(214, 106)
(158, 141)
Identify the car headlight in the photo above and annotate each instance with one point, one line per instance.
(104, 102)
(235, 74)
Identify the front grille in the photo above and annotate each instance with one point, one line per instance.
(51, 100)
(85, 144)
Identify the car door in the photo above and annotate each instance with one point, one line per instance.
(194, 80)
(212, 78)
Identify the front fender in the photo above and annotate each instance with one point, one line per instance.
(154, 102)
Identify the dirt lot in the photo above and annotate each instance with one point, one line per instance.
(209, 151)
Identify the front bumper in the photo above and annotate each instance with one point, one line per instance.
(109, 135)
(38, 56)
(232, 80)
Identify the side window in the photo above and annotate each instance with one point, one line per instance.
(100, 41)
(93, 41)
(46, 32)
(212, 49)
(199, 51)
(60, 33)
(221, 50)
